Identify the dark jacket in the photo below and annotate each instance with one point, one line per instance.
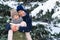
(28, 20)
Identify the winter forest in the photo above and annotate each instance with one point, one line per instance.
(45, 17)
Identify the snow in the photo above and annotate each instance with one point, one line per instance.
(48, 5)
(55, 30)
(12, 4)
(27, 7)
(56, 14)
(35, 23)
(1, 2)
(58, 24)
(57, 9)
(36, 10)
(1, 17)
(33, 3)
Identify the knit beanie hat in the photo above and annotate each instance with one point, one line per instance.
(20, 7)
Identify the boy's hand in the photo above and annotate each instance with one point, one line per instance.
(23, 24)
(14, 28)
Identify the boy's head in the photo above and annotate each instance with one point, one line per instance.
(21, 10)
(14, 14)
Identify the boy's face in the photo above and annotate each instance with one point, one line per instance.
(16, 17)
(21, 13)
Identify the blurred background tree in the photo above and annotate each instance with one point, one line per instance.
(39, 31)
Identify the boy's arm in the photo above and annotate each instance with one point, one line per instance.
(23, 24)
(7, 26)
(12, 24)
(14, 27)
(28, 27)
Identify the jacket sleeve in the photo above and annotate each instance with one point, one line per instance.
(7, 26)
(28, 27)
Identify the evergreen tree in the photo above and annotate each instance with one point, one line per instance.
(40, 32)
(4, 12)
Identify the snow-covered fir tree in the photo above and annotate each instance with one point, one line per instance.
(45, 17)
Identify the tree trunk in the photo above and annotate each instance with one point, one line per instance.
(19, 36)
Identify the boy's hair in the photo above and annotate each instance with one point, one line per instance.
(13, 12)
(14, 15)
